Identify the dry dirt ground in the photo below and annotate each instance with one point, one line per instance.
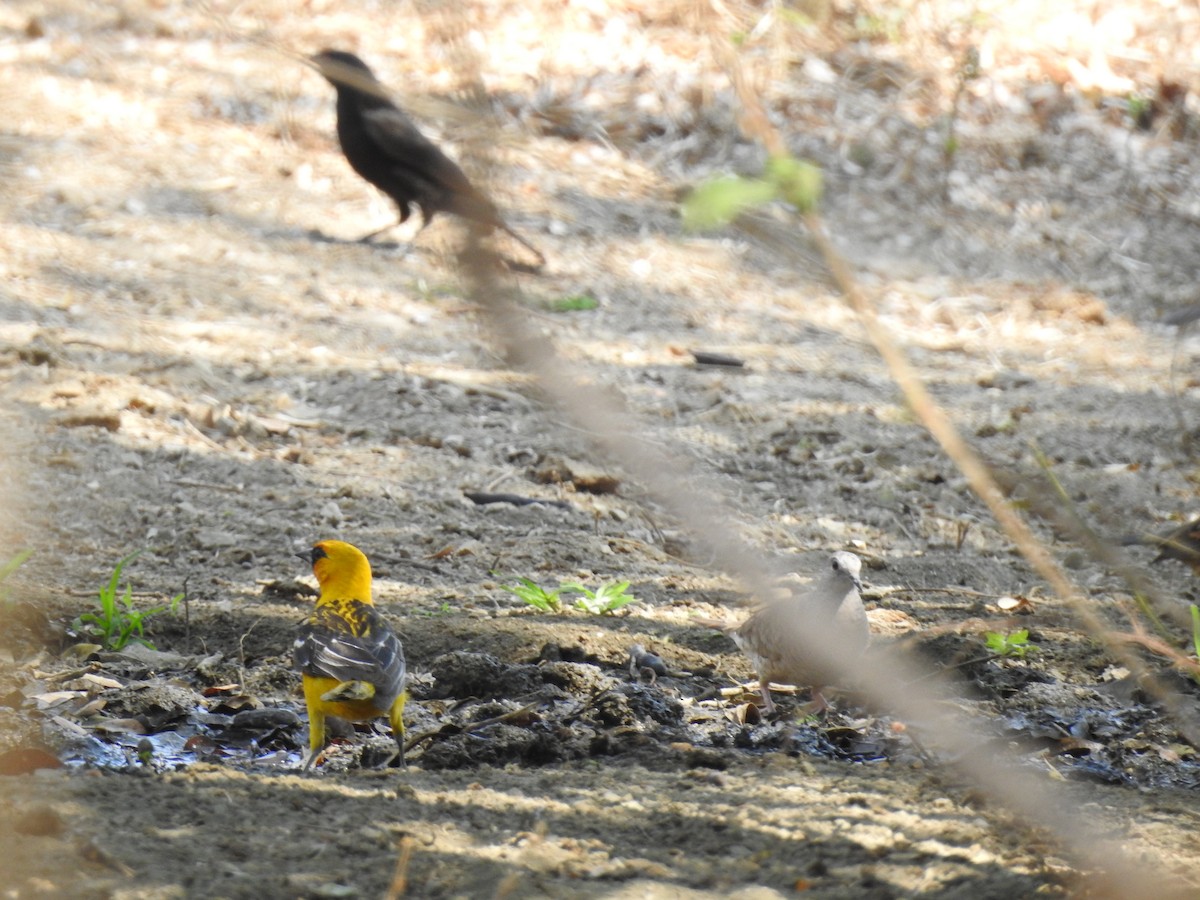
(198, 362)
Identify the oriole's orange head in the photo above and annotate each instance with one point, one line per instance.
(342, 571)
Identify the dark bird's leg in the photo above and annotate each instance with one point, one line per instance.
(367, 238)
(412, 242)
(403, 212)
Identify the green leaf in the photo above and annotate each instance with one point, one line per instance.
(115, 620)
(608, 598)
(796, 181)
(1196, 628)
(719, 201)
(15, 563)
(1015, 645)
(534, 595)
(575, 303)
(795, 17)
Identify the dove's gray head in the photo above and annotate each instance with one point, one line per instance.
(847, 566)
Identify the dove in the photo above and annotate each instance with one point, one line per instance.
(796, 639)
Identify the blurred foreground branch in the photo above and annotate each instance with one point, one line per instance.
(890, 679)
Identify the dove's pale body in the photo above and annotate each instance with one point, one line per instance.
(778, 636)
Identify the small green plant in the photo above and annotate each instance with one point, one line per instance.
(1140, 110)
(608, 598)
(718, 201)
(886, 28)
(1014, 645)
(1196, 633)
(115, 621)
(7, 568)
(968, 71)
(573, 303)
(535, 595)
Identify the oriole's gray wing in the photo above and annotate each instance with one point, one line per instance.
(351, 641)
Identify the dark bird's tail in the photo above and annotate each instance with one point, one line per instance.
(541, 259)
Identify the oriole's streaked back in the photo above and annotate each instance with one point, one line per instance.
(350, 661)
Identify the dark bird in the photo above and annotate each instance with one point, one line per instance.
(1182, 544)
(383, 145)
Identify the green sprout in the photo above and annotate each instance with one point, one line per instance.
(444, 610)
(606, 599)
(1014, 645)
(535, 595)
(1140, 110)
(1196, 633)
(114, 621)
(573, 303)
(718, 201)
(796, 181)
(7, 569)
(887, 28)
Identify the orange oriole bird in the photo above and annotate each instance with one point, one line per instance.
(351, 662)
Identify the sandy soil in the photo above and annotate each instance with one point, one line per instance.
(197, 361)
